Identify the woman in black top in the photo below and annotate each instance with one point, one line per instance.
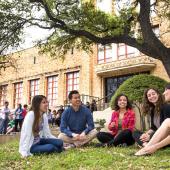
(152, 104)
(161, 138)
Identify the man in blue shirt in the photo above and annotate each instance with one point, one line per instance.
(77, 126)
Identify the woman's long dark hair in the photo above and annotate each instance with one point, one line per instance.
(35, 107)
(148, 107)
(116, 107)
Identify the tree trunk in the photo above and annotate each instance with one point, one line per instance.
(166, 62)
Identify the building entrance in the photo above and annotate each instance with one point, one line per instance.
(112, 84)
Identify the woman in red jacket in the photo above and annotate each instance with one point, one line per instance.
(121, 125)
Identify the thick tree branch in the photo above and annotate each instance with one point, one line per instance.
(146, 27)
(144, 20)
(49, 12)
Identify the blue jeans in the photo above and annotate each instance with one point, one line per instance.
(47, 145)
(4, 125)
(1, 126)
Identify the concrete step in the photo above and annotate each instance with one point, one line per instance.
(7, 138)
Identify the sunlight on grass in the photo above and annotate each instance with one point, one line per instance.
(87, 158)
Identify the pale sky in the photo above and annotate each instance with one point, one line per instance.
(33, 34)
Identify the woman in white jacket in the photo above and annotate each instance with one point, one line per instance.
(35, 134)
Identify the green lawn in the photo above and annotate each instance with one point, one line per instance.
(87, 158)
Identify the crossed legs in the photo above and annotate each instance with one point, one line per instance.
(90, 136)
(160, 139)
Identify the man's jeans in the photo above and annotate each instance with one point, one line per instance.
(47, 145)
(3, 125)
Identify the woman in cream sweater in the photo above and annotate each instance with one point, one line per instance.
(36, 137)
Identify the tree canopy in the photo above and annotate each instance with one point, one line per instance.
(79, 24)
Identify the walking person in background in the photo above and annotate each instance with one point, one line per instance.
(25, 110)
(36, 137)
(1, 122)
(54, 115)
(60, 110)
(121, 125)
(93, 106)
(88, 105)
(58, 117)
(49, 115)
(18, 117)
(5, 119)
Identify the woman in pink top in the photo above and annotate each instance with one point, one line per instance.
(121, 125)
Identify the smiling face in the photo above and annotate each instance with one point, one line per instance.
(44, 105)
(152, 96)
(167, 95)
(75, 100)
(122, 102)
